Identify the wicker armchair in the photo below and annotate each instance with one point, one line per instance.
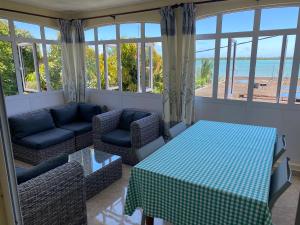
(142, 132)
(54, 198)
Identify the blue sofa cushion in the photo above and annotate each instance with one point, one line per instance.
(65, 114)
(126, 119)
(24, 174)
(118, 137)
(78, 127)
(140, 115)
(88, 111)
(45, 139)
(30, 123)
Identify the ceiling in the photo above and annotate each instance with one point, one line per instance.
(79, 5)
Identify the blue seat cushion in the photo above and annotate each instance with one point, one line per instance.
(30, 123)
(65, 114)
(45, 139)
(24, 174)
(88, 111)
(118, 137)
(78, 127)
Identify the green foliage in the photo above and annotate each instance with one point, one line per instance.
(204, 76)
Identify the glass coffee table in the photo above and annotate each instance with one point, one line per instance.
(100, 169)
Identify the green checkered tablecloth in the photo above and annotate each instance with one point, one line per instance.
(213, 173)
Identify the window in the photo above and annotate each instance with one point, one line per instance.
(130, 62)
(7, 69)
(27, 30)
(55, 66)
(52, 34)
(90, 57)
(269, 70)
(4, 30)
(89, 35)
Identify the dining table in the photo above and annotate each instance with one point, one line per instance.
(213, 173)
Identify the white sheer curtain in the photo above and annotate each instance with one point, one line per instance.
(73, 56)
(178, 33)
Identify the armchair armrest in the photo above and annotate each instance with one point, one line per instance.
(55, 197)
(144, 130)
(106, 122)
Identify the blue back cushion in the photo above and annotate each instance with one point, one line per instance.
(88, 111)
(30, 123)
(65, 114)
(24, 175)
(128, 116)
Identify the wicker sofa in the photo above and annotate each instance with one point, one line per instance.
(55, 197)
(45, 133)
(112, 136)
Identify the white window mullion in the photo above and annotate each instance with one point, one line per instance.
(143, 56)
(119, 62)
(105, 67)
(16, 56)
(295, 67)
(36, 67)
(45, 58)
(281, 67)
(217, 57)
(229, 45)
(253, 53)
(97, 59)
(139, 67)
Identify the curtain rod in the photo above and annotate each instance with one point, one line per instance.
(109, 15)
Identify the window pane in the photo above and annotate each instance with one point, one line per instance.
(107, 32)
(52, 34)
(111, 57)
(7, 69)
(297, 97)
(152, 30)
(101, 66)
(55, 66)
(91, 73)
(232, 21)
(89, 35)
(129, 67)
(4, 30)
(222, 67)
(205, 53)
(26, 56)
(40, 56)
(27, 30)
(207, 25)
(288, 63)
(130, 30)
(154, 66)
(267, 68)
(279, 18)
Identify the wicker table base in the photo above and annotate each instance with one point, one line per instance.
(100, 169)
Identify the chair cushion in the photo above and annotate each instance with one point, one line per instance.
(45, 139)
(78, 127)
(30, 123)
(118, 137)
(88, 111)
(126, 119)
(24, 175)
(128, 116)
(65, 114)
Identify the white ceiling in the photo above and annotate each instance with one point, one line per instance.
(79, 5)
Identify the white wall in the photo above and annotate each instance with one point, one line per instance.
(24, 103)
(285, 118)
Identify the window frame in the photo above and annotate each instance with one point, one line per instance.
(255, 34)
(14, 40)
(141, 58)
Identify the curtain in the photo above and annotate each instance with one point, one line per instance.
(178, 35)
(73, 56)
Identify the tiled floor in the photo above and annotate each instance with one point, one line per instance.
(106, 208)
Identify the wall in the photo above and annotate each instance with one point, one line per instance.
(24, 103)
(285, 118)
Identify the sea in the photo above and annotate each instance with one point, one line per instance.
(264, 67)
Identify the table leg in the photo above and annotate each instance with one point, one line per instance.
(149, 220)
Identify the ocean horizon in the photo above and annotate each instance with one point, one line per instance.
(264, 67)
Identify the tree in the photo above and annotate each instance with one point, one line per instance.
(204, 76)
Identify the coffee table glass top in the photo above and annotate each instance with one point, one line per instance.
(92, 159)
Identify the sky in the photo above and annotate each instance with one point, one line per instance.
(271, 18)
